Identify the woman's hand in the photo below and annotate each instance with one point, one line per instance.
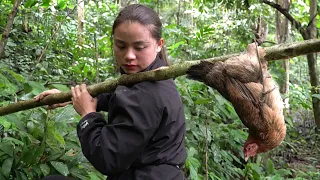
(83, 102)
(40, 96)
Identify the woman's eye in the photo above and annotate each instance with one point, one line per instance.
(139, 48)
(120, 47)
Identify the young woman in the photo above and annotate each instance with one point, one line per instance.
(144, 135)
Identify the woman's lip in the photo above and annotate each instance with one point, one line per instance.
(130, 66)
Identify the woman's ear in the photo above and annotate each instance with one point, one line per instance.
(160, 43)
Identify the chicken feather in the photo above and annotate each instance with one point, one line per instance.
(247, 84)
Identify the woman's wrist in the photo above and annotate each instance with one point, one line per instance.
(88, 112)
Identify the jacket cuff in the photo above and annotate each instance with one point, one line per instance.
(88, 119)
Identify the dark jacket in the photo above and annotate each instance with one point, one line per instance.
(144, 136)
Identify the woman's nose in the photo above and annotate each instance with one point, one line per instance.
(129, 56)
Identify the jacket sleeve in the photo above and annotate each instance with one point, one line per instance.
(112, 148)
(103, 101)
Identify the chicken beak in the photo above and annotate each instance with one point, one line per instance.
(246, 158)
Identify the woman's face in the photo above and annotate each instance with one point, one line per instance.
(134, 47)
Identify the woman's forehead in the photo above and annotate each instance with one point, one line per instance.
(132, 31)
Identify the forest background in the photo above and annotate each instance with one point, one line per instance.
(58, 43)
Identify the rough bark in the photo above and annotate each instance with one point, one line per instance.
(312, 62)
(307, 34)
(277, 52)
(7, 30)
(80, 21)
(282, 31)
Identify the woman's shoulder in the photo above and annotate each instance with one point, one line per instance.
(156, 90)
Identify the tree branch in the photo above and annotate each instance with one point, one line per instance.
(286, 13)
(7, 30)
(278, 52)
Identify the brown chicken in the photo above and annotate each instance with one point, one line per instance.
(247, 84)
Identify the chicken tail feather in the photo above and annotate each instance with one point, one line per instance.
(199, 71)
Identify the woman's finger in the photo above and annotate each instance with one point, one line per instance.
(83, 88)
(73, 93)
(46, 93)
(77, 90)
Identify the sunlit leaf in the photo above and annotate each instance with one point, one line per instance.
(60, 167)
(3, 121)
(45, 3)
(45, 169)
(62, 4)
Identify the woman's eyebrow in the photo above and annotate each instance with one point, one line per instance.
(135, 43)
(119, 41)
(141, 42)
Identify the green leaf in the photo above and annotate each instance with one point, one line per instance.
(213, 176)
(37, 87)
(54, 136)
(13, 118)
(176, 45)
(5, 123)
(316, 96)
(79, 173)
(45, 169)
(45, 3)
(270, 167)
(15, 141)
(62, 4)
(18, 77)
(60, 167)
(38, 153)
(21, 175)
(66, 115)
(202, 101)
(61, 87)
(7, 148)
(30, 3)
(193, 173)
(93, 176)
(27, 88)
(1, 176)
(60, 139)
(6, 166)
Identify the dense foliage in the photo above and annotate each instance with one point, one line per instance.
(38, 142)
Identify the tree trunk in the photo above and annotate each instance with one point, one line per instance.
(312, 62)
(282, 31)
(308, 33)
(80, 21)
(278, 52)
(7, 30)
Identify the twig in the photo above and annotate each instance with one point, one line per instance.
(286, 13)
